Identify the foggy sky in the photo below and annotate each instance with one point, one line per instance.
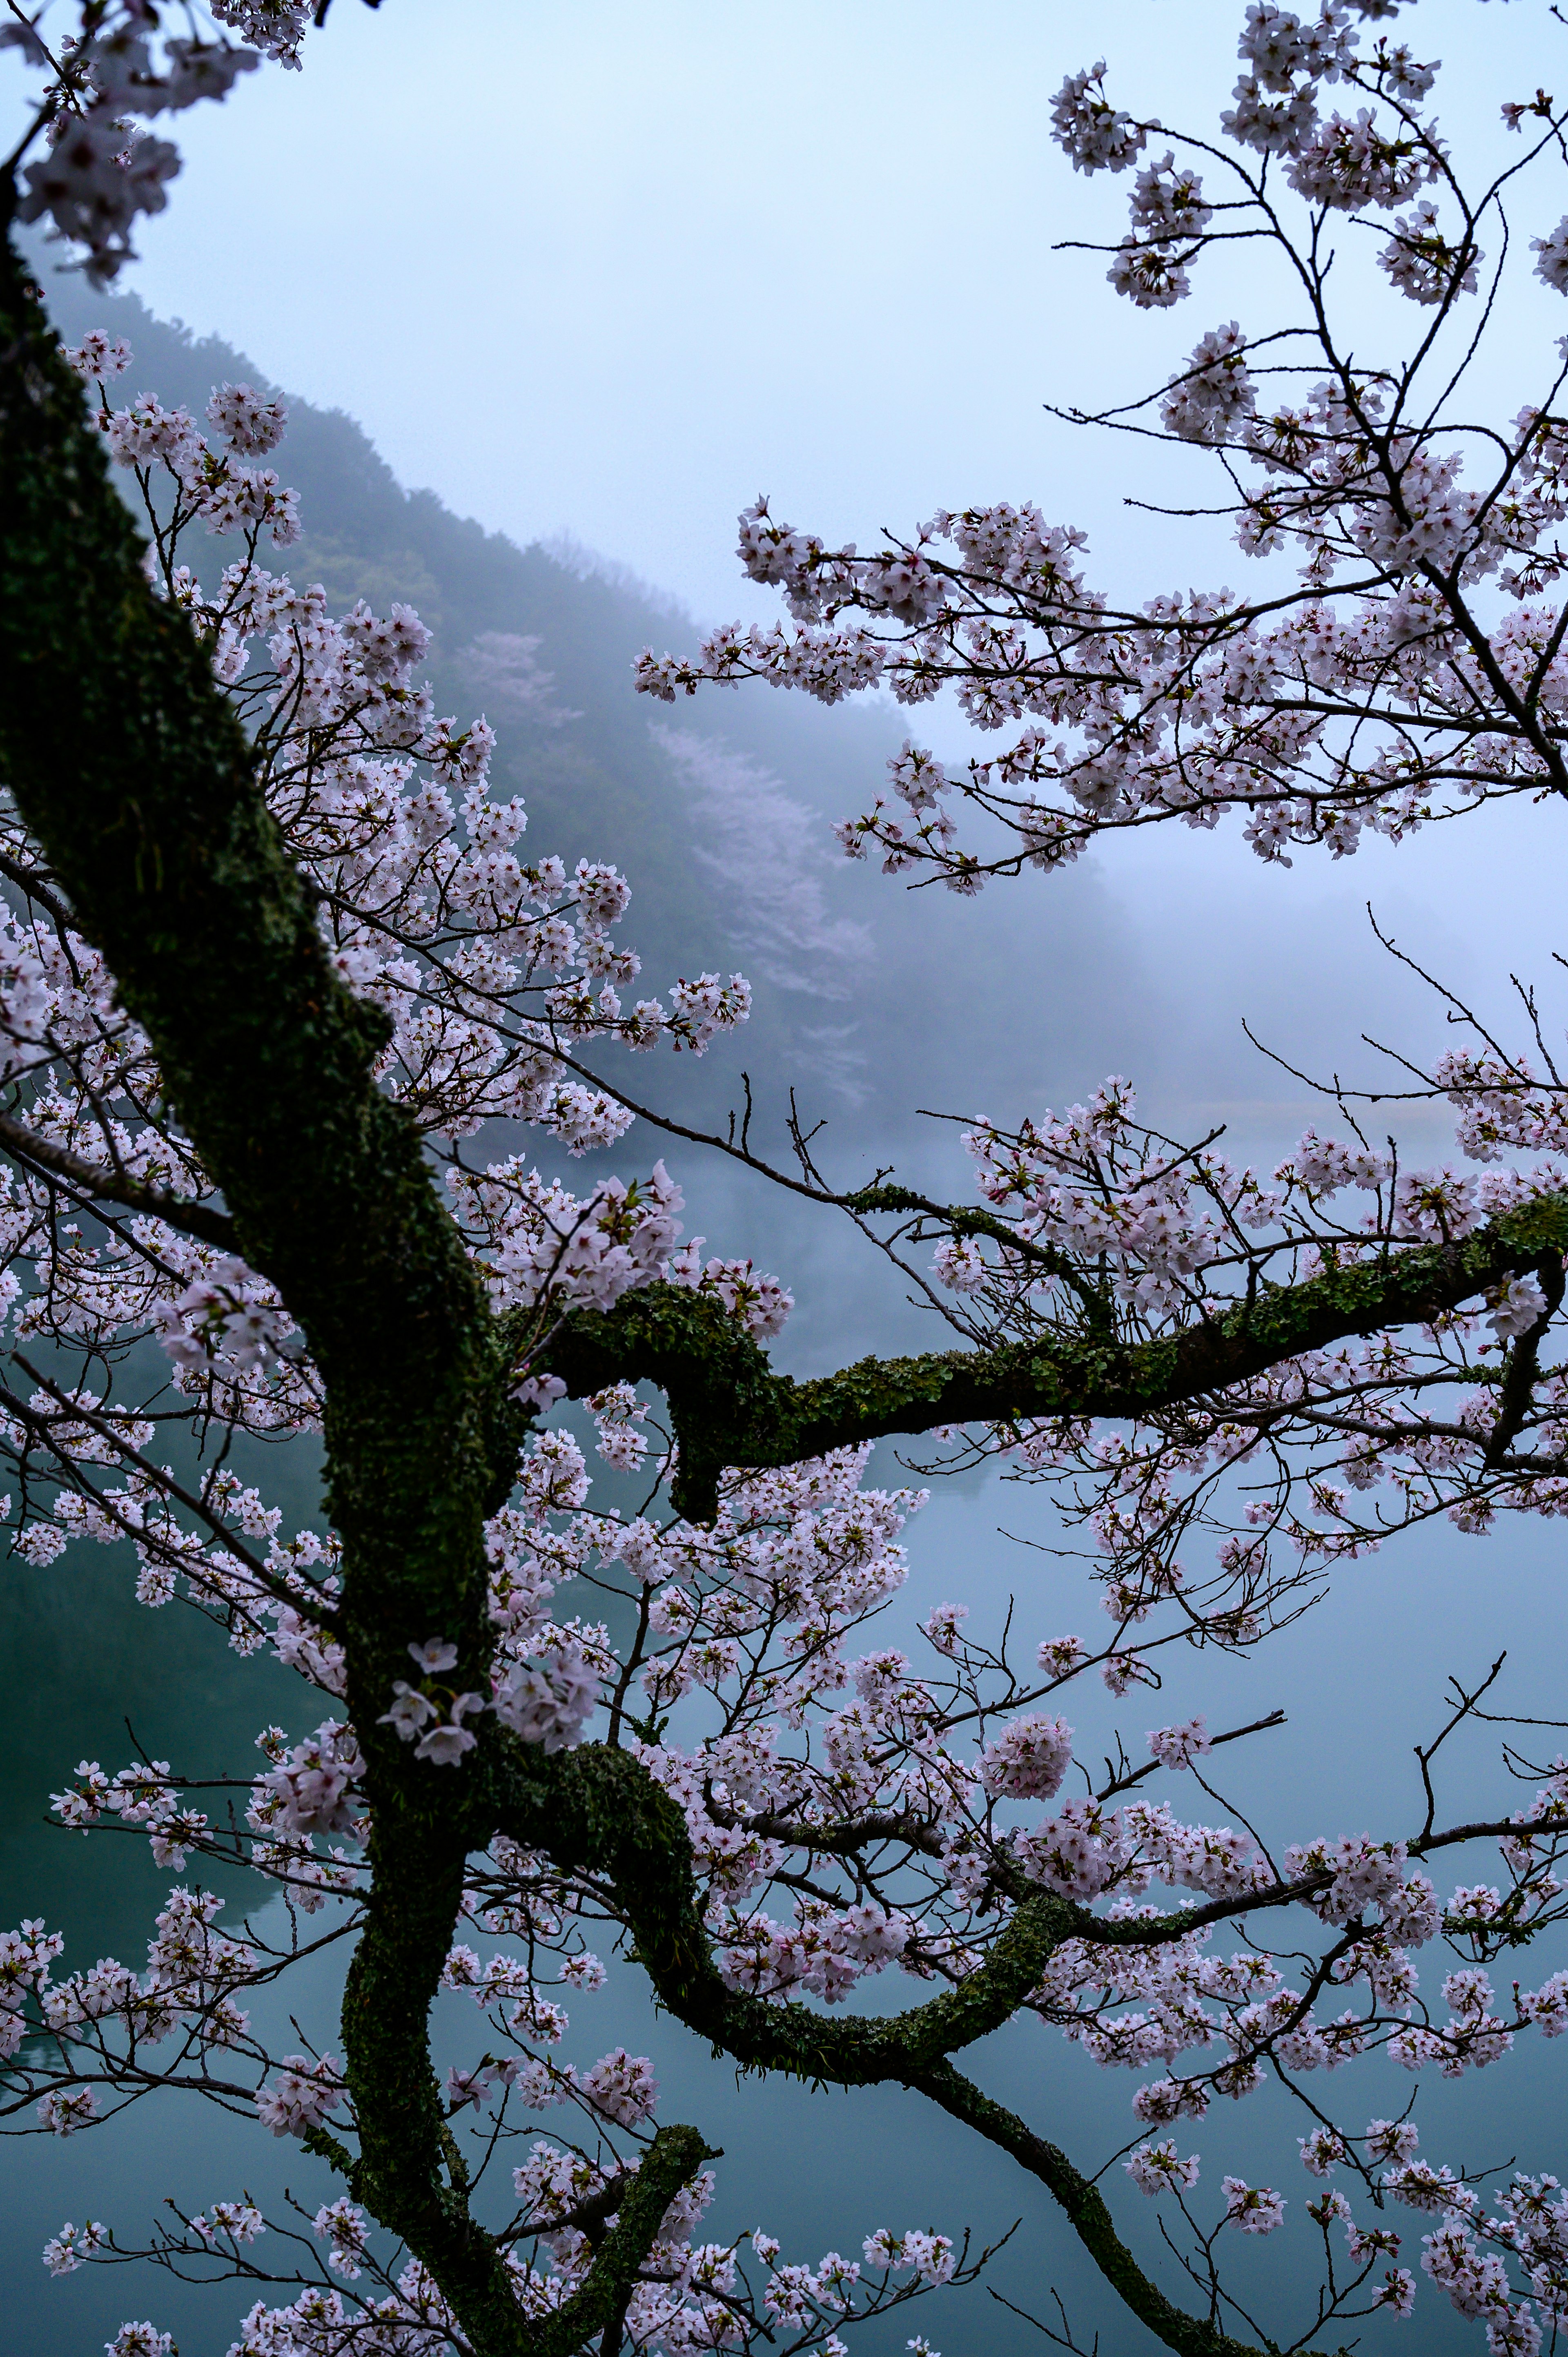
(613, 270)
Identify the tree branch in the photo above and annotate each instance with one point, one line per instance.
(1085, 2205)
(91, 1180)
(599, 2305)
(730, 1409)
(599, 1812)
(1524, 1366)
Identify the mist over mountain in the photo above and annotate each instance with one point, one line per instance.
(870, 1000)
(875, 1006)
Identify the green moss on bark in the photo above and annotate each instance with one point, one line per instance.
(730, 1409)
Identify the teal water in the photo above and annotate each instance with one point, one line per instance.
(1361, 1680)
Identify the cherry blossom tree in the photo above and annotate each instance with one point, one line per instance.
(273, 968)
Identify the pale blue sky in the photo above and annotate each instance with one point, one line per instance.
(614, 268)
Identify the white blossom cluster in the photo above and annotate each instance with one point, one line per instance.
(1104, 1226)
(94, 169)
(1377, 695)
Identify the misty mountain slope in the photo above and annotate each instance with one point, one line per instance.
(870, 1000)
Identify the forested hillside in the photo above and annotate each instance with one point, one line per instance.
(718, 813)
